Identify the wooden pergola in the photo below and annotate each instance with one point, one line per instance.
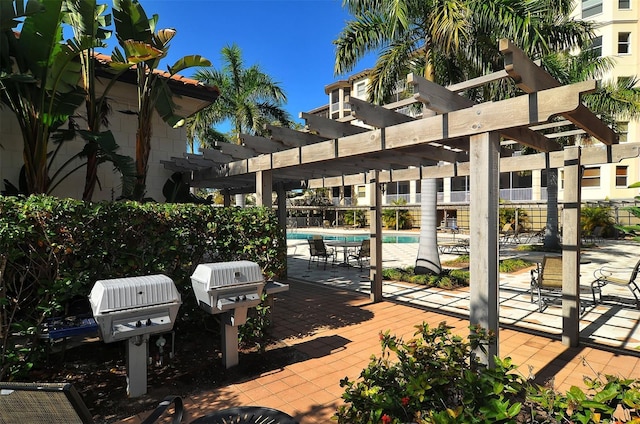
(461, 138)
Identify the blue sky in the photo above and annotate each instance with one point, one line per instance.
(291, 40)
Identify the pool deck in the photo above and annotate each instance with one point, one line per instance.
(328, 319)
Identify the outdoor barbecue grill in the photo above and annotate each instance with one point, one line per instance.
(230, 289)
(133, 308)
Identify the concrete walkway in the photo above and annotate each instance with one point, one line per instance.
(329, 321)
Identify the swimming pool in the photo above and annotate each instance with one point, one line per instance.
(385, 239)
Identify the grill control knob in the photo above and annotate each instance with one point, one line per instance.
(237, 298)
(149, 322)
(244, 297)
(138, 324)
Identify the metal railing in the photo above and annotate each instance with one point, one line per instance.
(516, 194)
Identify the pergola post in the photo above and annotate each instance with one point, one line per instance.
(571, 235)
(484, 157)
(264, 188)
(226, 196)
(281, 194)
(375, 225)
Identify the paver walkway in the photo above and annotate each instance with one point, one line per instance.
(333, 327)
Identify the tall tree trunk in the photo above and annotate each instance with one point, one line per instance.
(428, 261)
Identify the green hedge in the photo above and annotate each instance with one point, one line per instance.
(53, 250)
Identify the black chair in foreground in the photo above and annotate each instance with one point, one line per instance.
(246, 415)
(51, 403)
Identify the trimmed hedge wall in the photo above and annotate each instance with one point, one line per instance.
(53, 250)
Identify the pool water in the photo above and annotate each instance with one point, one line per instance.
(385, 239)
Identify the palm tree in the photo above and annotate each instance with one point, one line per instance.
(144, 48)
(447, 41)
(249, 98)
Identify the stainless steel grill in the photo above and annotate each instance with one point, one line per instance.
(228, 286)
(132, 309)
(230, 289)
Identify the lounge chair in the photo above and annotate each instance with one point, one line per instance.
(546, 279)
(44, 403)
(319, 251)
(616, 276)
(363, 253)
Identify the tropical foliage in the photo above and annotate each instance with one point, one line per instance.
(249, 99)
(44, 80)
(90, 23)
(39, 77)
(434, 378)
(396, 217)
(143, 47)
(596, 216)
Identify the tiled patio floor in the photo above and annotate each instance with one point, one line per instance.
(334, 329)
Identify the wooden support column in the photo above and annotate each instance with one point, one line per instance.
(375, 218)
(264, 188)
(571, 247)
(226, 196)
(281, 194)
(484, 159)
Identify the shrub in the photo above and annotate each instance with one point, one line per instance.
(596, 216)
(433, 377)
(53, 250)
(401, 217)
(448, 279)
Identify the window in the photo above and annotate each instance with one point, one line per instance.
(596, 46)
(624, 4)
(361, 90)
(591, 177)
(362, 191)
(622, 128)
(591, 7)
(624, 39)
(621, 176)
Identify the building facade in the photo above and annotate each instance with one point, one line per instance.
(617, 30)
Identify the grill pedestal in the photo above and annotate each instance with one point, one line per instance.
(137, 354)
(133, 308)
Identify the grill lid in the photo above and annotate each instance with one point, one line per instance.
(218, 274)
(132, 292)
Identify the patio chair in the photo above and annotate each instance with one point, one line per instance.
(363, 253)
(508, 235)
(546, 279)
(319, 251)
(594, 236)
(616, 276)
(246, 414)
(44, 403)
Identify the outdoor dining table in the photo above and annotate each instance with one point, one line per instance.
(345, 245)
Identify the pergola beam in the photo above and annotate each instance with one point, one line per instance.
(376, 116)
(524, 110)
(330, 128)
(261, 144)
(293, 138)
(531, 78)
(442, 100)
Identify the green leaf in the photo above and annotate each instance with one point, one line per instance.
(189, 62)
